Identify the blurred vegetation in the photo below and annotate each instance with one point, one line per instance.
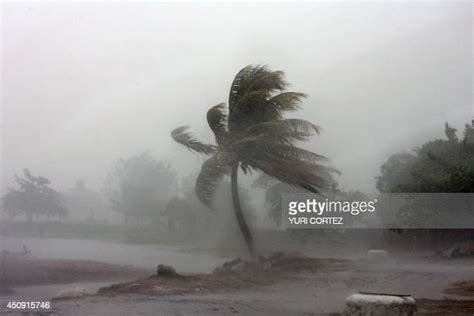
(442, 165)
(438, 166)
(140, 187)
(34, 198)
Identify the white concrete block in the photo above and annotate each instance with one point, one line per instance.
(362, 304)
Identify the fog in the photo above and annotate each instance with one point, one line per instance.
(84, 84)
(91, 91)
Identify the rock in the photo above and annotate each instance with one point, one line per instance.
(377, 254)
(367, 304)
(72, 293)
(166, 271)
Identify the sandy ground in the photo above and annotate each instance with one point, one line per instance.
(304, 293)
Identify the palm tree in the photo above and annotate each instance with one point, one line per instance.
(253, 135)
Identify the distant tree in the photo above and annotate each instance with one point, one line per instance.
(33, 198)
(396, 172)
(139, 187)
(255, 136)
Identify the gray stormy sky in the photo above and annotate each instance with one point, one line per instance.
(84, 84)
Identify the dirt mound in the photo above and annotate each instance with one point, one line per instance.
(230, 276)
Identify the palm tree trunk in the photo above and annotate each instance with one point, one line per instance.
(244, 228)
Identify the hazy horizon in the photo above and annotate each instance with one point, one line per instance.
(84, 84)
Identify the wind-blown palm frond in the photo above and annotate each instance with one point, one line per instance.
(286, 101)
(185, 138)
(284, 131)
(251, 109)
(262, 148)
(252, 78)
(309, 176)
(211, 173)
(217, 119)
(249, 95)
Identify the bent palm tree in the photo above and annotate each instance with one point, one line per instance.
(254, 135)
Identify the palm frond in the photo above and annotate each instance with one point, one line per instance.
(251, 109)
(217, 119)
(237, 86)
(309, 176)
(270, 81)
(208, 179)
(255, 77)
(182, 136)
(265, 148)
(286, 101)
(250, 91)
(286, 131)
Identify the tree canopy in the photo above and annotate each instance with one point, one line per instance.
(442, 165)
